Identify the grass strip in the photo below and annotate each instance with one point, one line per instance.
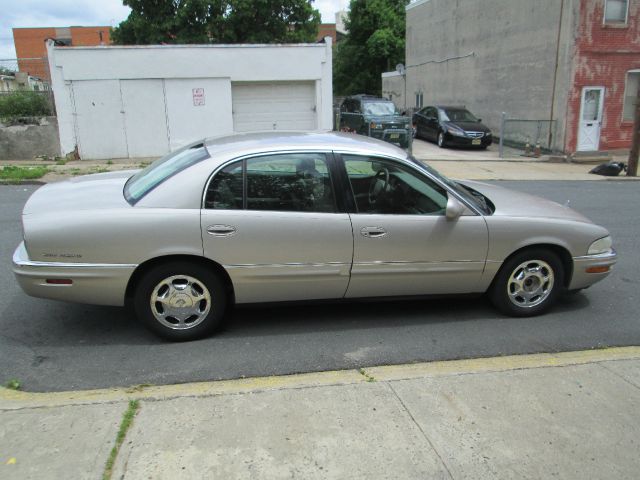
(127, 421)
(14, 172)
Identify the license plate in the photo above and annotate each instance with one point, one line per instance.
(394, 136)
(476, 141)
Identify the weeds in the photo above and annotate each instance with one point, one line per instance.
(13, 384)
(15, 173)
(127, 421)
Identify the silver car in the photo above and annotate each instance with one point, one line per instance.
(293, 216)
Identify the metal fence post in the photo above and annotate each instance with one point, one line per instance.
(503, 120)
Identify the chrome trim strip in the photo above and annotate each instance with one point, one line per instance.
(598, 257)
(30, 263)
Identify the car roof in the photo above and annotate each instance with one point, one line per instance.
(237, 145)
(452, 107)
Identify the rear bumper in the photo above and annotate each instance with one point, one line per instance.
(96, 284)
(582, 278)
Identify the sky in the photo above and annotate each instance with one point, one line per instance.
(65, 13)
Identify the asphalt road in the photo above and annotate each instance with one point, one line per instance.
(53, 346)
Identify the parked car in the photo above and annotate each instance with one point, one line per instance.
(375, 117)
(451, 126)
(277, 216)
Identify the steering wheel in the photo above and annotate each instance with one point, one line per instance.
(379, 184)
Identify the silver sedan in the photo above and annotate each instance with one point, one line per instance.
(284, 217)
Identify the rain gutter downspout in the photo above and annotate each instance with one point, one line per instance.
(555, 75)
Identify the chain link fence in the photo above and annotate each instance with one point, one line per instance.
(527, 134)
(25, 91)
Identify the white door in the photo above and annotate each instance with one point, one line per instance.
(590, 119)
(99, 119)
(145, 117)
(261, 106)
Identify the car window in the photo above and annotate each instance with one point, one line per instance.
(379, 108)
(149, 178)
(457, 115)
(432, 112)
(287, 182)
(383, 186)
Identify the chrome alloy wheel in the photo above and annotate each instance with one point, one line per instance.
(530, 283)
(180, 302)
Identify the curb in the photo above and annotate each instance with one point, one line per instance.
(16, 400)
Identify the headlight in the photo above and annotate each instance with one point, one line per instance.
(600, 246)
(375, 126)
(457, 132)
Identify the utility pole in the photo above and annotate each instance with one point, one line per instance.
(632, 167)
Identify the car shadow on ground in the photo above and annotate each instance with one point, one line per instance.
(62, 324)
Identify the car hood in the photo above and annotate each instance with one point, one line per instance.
(516, 204)
(98, 191)
(470, 126)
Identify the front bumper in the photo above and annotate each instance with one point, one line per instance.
(582, 278)
(454, 140)
(397, 136)
(96, 284)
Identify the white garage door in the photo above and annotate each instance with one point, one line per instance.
(274, 106)
(99, 119)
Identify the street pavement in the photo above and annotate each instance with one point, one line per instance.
(569, 415)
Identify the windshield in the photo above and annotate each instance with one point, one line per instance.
(379, 108)
(146, 180)
(480, 202)
(457, 115)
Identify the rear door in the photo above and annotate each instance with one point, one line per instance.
(403, 242)
(272, 222)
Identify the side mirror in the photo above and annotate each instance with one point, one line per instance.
(479, 120)
(454, 208)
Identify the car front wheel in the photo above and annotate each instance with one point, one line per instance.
(180, 301)
(528, 283)
(441, 140)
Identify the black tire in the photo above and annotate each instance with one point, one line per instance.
(181, 284)
(523, 275)
(441, 140)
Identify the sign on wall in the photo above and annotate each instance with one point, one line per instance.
(198, 97)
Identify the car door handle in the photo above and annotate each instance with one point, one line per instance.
(221, 230)
(373, 232)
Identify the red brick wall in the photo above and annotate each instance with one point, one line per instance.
(29, 43)
(327, 30)
(603, 55)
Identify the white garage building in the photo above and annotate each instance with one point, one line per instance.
(143, 101)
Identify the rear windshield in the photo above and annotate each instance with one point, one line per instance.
(146, 180)
(379, 108)
(457, 115)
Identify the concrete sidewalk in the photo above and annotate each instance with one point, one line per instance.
(566, 415)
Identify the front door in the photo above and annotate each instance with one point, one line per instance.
(271, 221)
(403, 242)
(590, 119)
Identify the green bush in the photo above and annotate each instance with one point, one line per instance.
(24, 104)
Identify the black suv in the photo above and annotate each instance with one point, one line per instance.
(375, 117)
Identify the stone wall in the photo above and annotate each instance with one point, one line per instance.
(27, 141)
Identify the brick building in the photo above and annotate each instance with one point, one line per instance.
(32, 51)
(565, 71)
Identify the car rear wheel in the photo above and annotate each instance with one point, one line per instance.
(180, 301)
(528, 283)
(441, 140)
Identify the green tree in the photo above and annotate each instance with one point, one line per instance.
(374, 44)
(217, 21)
